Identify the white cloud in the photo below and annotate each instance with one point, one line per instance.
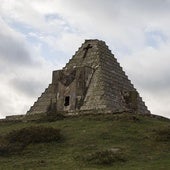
(21, 69)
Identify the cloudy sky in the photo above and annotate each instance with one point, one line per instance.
(38, 36)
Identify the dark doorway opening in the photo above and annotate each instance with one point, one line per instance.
(67, 101)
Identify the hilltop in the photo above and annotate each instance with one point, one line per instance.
(91, 142)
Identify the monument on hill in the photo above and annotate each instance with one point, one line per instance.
(91, 82)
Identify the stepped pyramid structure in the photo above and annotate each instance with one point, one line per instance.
(92, 81)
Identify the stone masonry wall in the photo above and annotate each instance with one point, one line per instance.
(44, 101)
(109, 86)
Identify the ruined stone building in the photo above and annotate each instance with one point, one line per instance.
(92, 81)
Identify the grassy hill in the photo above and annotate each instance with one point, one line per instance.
(91, 142)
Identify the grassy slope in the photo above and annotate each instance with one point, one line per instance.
(88, 134)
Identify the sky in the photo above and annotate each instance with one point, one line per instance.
(39, 36)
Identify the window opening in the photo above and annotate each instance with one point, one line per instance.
(67, 101)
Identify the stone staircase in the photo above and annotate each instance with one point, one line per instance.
(43, 102)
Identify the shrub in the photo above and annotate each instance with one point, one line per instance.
(16, 140)
(105, 157)
(34, 134)
(6, 147)
(162, 134)
(3, 146)
(54, 117)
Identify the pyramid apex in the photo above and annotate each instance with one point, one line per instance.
(93, 41)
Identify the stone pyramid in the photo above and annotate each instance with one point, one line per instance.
(91, 82)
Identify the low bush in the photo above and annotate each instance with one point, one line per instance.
(129, 117)
(3, 145)
(16, 140)
(6, 147)
(53, 117)
(105, 157)
(34, 134)
(162, 134)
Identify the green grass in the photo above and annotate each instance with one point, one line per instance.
(141, 143)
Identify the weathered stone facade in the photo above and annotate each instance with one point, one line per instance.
(93, 81)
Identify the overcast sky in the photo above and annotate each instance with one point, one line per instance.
(39, 36)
